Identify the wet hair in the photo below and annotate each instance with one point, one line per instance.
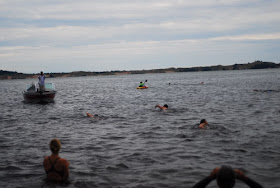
(225, 177)
(166, 106)
(55, 145)
(202, 121)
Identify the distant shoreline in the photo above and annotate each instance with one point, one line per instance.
(8, 75)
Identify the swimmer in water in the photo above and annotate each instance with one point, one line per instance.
(57, 169)
(203, 124)
(225, 177)
(164, 107)
(91, 115)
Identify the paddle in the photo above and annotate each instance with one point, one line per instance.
(145, 82)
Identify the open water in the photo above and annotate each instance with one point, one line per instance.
(131, 144)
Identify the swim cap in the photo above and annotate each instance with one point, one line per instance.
(202, 121)
(226, 177)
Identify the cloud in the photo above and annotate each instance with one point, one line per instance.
(252, 37)
(127, 55)
(121, 33)
(84, 10)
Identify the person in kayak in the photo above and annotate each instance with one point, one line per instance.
(57, 169)
(203, 124)
(142, 84)
(225, 177)
(164, 107)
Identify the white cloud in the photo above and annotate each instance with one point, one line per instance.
(87, 9)
(121, 33)
(252, 37)
(126, 55)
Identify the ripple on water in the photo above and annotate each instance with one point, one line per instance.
(132, 144)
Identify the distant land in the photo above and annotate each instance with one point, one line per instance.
(7, 75)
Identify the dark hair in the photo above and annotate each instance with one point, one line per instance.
(55, 145)
(202, 121)
(166, 106)
(225, 177)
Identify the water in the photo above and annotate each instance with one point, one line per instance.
(132, 144)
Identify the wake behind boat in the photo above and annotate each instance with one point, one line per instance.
(32, 94)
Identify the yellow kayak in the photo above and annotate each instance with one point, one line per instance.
(144, 87)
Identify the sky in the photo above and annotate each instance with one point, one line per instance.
(106, 35)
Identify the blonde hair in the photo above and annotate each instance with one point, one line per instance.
(55, 145)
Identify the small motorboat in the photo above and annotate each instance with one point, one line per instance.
(32, 94)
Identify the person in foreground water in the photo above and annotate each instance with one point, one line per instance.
(164, 107)
(225, 177)
(203, 124)
(57, 169)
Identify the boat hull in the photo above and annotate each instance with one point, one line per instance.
(37, 97)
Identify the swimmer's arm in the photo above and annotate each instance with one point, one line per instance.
(161, 107)
(251, 183)
(158, 106)
(202, 126)
(45, 163)
(66, 169)
(203, 183)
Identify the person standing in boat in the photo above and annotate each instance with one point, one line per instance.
(42, 78)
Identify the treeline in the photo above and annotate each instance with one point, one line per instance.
(255, 65)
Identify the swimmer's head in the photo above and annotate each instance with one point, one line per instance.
(166, 106)
(225, 177)
(55, 146)
(202, 121)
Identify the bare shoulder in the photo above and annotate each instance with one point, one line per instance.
(63, 161)
(46, 158)
(46, 163)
